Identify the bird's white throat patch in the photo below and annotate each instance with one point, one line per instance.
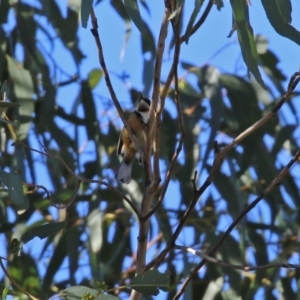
(145, 115)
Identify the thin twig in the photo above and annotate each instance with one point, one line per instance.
(234, 266)
(31, 149)
(116, 191)
(78, 183)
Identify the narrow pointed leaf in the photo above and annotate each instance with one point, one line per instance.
(134, 13)
(15, 189)
(197, 6)
(150, 282)
(85, 11)
(245, 37)
(43, 231)
(278, 13)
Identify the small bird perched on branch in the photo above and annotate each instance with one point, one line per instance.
(137, 121)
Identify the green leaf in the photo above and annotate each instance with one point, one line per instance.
(94, 77)
(85, 11)
(5, 292)
(243, 102)
(77, 292)
(285, 8)
(188, 31)
(245, 37)
(22, 80)
(4, 11)
(219, 4)
(24, 270)
(285, 133)
(288, 292)
(15, 189)
(134, 13)
(90, 111)
(119, 6)
(56, 260)
(23, 90)
(260, 253)
(73, 251)
(229, 191)
(149, 282)
(94, 223)
(269, 63)
(209, 82)
(279, 14)
(231, 252)
(43, 231)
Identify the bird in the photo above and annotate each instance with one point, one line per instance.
(137, 120)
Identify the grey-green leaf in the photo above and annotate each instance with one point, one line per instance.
(150, 282)
(198, 4)
(85, 11)
(278, 12)
(15, 189)
(246, 39)
(22, 80)
(43, 231)
(134, 13)
(77, 292)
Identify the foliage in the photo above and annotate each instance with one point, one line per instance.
(58, 138)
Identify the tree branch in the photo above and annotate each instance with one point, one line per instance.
(216, 165)
(175, 25)
(153, 123)
(274, 183)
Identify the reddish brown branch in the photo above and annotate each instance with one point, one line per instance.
(175, 25)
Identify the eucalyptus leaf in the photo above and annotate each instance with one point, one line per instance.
(43, 231)
(246, 39)
(150, 282)
(279, 14)
(15, 189)
(132, 8)
(94, 77)
(188, 31)
(86, 6)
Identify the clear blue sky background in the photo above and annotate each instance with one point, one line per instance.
(201, 48)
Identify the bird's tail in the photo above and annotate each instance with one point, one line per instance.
(124, 172)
